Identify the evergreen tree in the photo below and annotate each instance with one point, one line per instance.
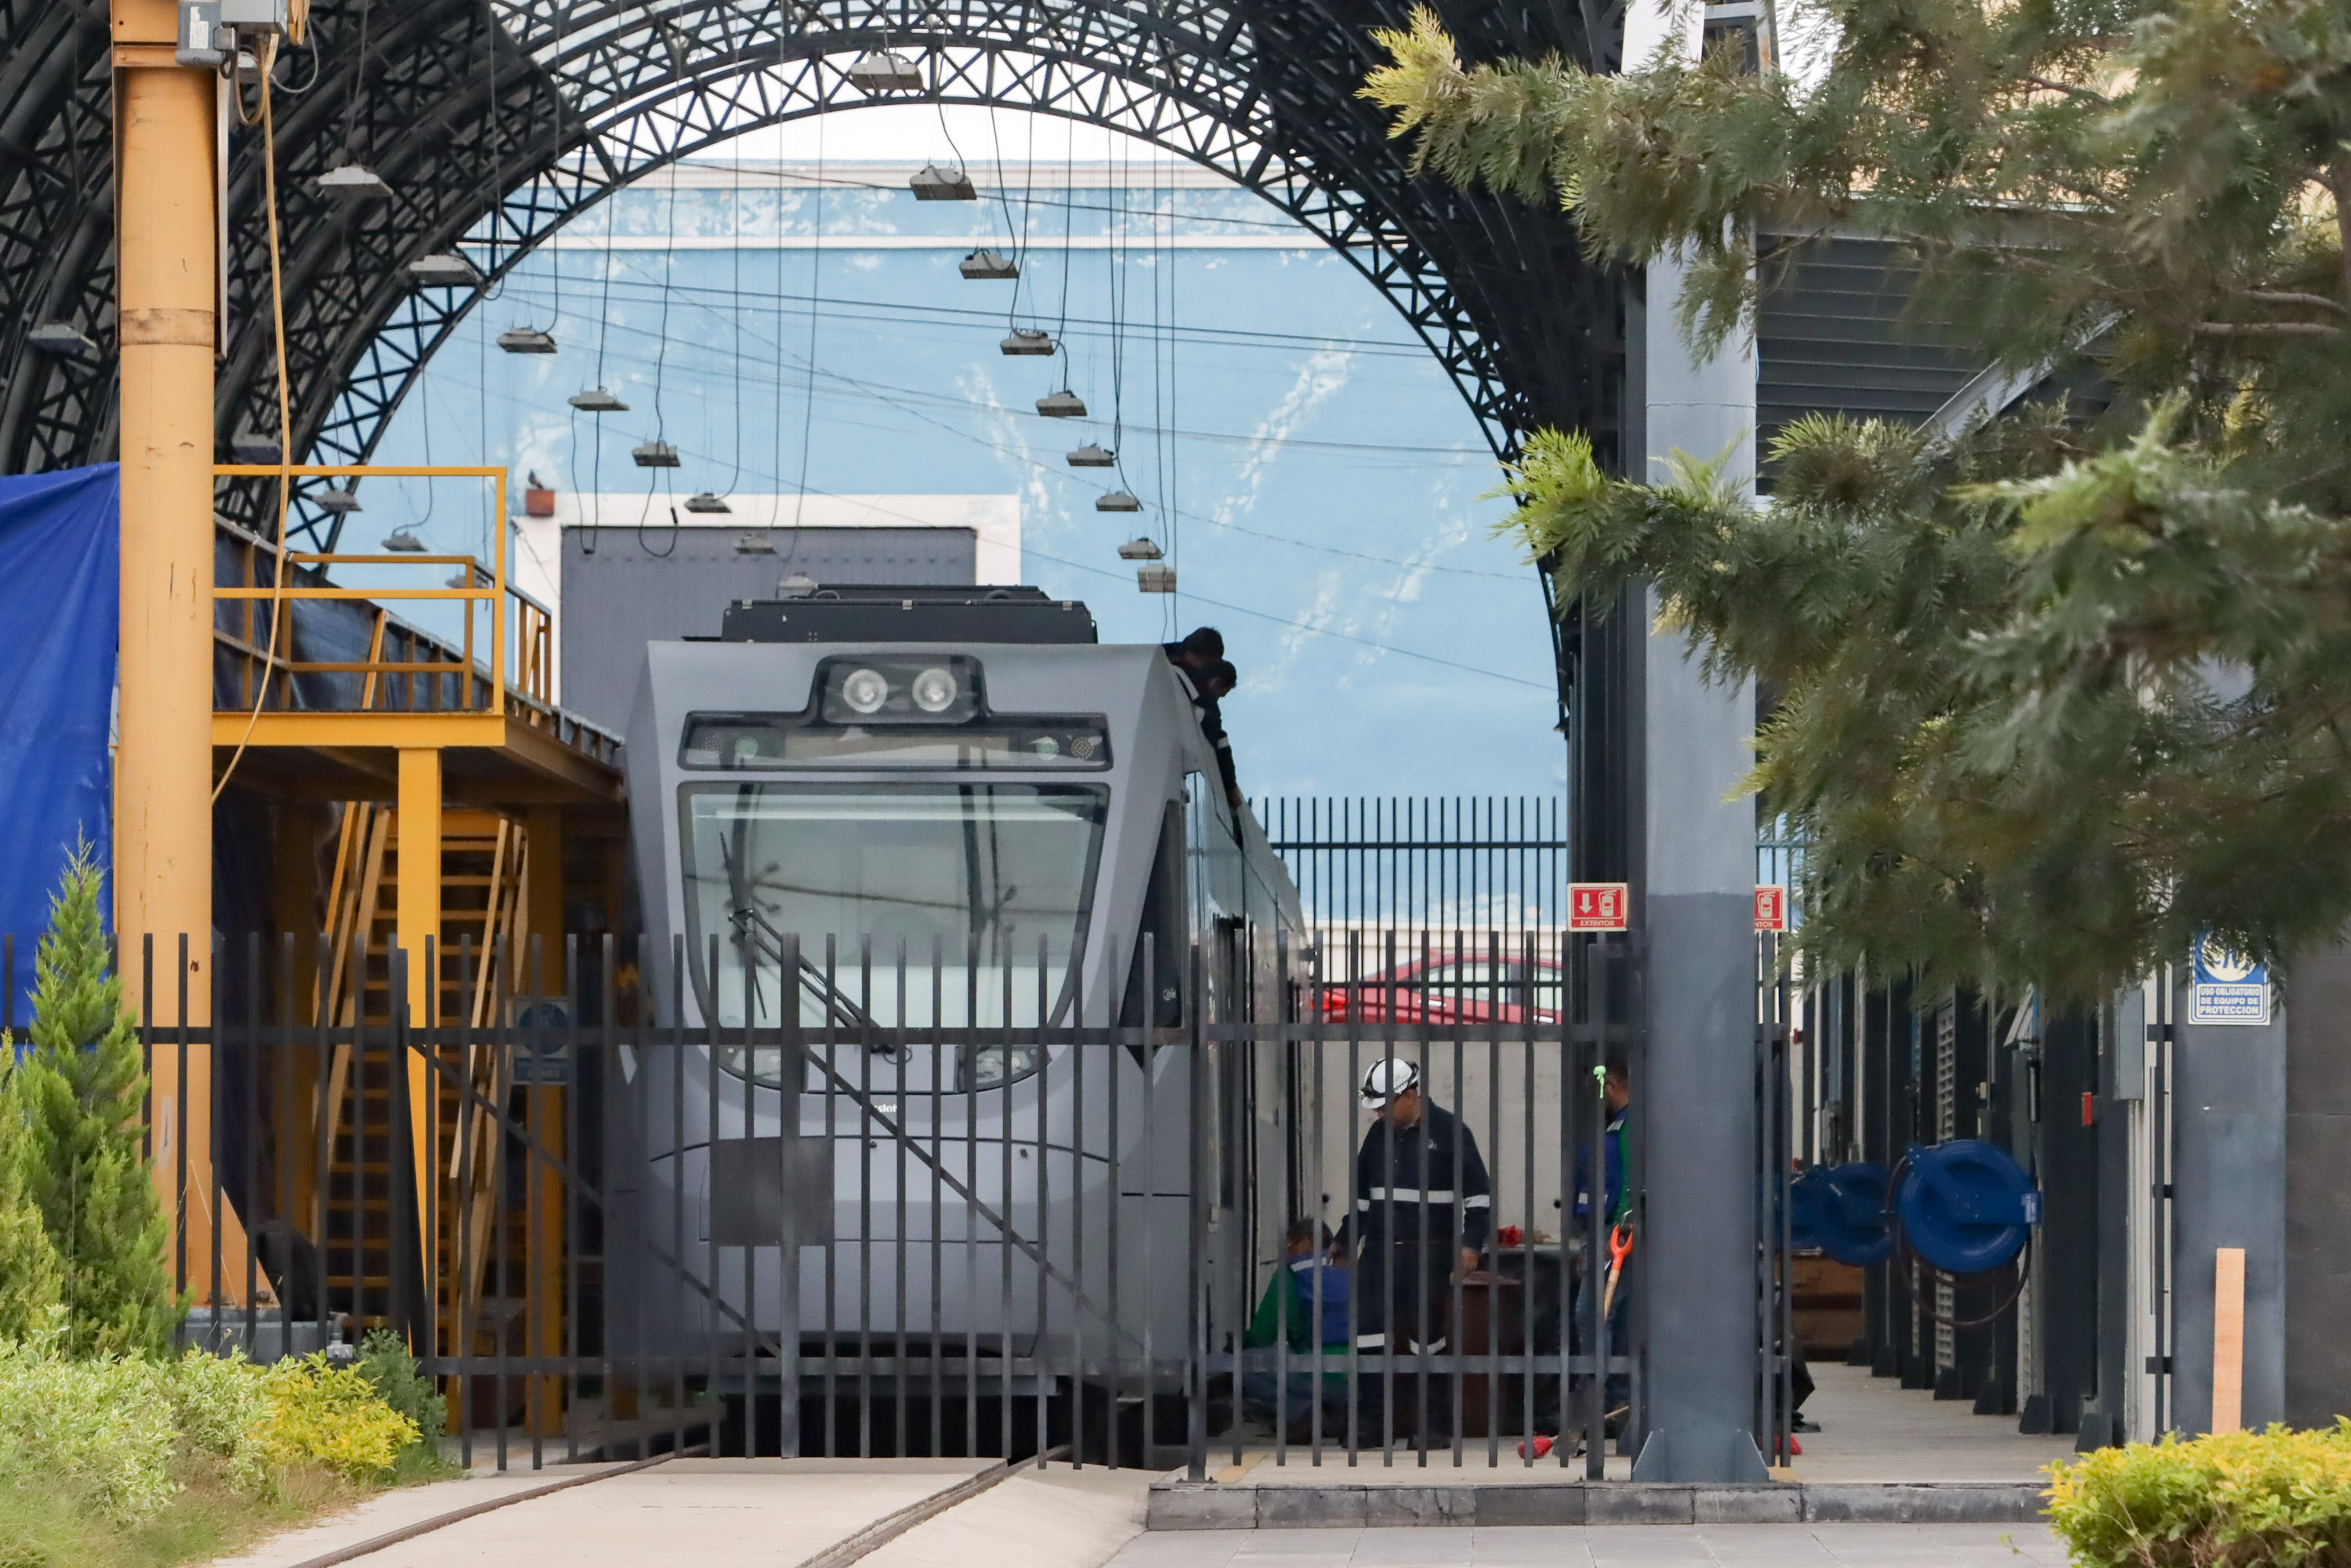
(82, 1088)
(2062, 691)
(30, 1285)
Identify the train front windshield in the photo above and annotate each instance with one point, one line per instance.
(932, 871)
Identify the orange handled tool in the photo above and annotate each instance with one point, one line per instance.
(1620, 1247)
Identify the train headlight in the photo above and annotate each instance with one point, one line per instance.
(935, 690)
(865, 691)
(997, 1066)
(939, 688)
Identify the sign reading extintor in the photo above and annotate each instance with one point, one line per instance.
(1595, 905)
(1771, 909)
(2229, 988)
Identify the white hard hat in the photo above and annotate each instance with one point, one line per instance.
(1383, 1081)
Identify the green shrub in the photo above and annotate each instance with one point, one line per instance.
(332, 1416)
(222, 1407)
(384, 1361)
(2241, 1499)
(104, 1426)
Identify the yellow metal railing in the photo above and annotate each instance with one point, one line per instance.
(520, 630)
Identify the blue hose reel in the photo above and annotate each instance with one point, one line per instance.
(1840, 1209)
(1964, 1207)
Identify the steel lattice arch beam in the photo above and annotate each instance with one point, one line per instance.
(496, 122)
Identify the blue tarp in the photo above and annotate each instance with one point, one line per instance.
(60, 572)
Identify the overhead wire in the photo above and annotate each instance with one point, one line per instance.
(660, 420)
(1022, 456)
(279, 572)
(844, 309)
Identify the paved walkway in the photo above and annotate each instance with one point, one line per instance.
(1606, 1546)
(688, 1513)
(1873, 1429)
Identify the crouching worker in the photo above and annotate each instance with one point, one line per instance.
(1423, 1206)
(1304, 1307)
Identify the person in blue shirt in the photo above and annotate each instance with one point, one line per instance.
(1304, 1307)
(1616, 1210)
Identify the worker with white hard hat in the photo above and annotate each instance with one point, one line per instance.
(1423, 1206)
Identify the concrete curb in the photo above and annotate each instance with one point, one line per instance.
(1206, 1505)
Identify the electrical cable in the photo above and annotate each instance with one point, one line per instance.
(359, 86)
(847, 309)
(660, 374)
(735, 313)
(880, 392)
(808, 403)
(285, 414)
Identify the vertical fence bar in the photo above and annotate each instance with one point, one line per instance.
(712, 1026)
(1004, 1273)
(1196, 1287)
(901, 1145)
(681, 1344)
(1041, 1338)
(749, 1079)
(1113, 1362)
(832, 1146)
(1078, 1118)
(938, 1194)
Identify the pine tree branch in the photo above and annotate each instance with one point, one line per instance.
(2278, 297)
(2264, 330)
(2066, 88)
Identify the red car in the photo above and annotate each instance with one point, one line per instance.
(1449, 990)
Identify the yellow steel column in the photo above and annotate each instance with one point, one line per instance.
(162, 761)
(546, 1113)
(416, 928)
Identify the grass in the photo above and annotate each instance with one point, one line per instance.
(53, 1527)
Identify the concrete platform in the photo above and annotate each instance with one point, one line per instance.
(1885, 1455)
(1603, 1546)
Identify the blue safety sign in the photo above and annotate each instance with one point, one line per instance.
(2227, 988)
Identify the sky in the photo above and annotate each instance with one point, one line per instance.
(1313, 473)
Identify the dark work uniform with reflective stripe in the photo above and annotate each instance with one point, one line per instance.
(1422, 1193)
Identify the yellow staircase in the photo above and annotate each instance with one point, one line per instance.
(482, 959)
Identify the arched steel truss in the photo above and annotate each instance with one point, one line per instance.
(498, 122)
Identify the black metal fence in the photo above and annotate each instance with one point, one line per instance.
(952, 1205)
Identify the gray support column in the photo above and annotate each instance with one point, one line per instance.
(2229, 1180)
(1693, 889)
(2318, 1189)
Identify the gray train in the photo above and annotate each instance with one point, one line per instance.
(934, 828)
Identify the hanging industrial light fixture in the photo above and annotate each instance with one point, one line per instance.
(753, 544)
(987, 265)
(1138, 549)
(351, 184)
(403, 542)
(443, 269)
(1029, 340)
(596, 400)
(527, 341)
(1117, 501)
(655, 454)
(1155, 577)
(1090, 456)
(62, 338)
(884, 71)
(708, 503)
(1062, 404)
(937, 184)
(253, 448)
(338, 503)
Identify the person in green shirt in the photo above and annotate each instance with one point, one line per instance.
(1305, 1306)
